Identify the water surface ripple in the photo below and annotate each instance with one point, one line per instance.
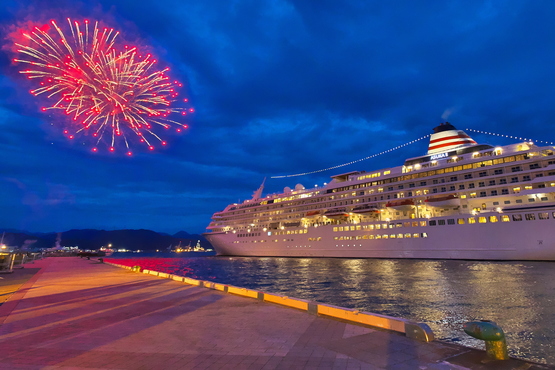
(518, 296)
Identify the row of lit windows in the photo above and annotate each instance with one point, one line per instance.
(249, 235)
(382, 236)
(373, 175)
(288, 232)
(493, 218)
(379, 226)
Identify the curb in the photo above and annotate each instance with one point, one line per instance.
(414, 330)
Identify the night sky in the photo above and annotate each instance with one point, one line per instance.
(279, 88)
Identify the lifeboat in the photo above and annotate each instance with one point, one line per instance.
(401, 205)
(449, 200)
(336, 213)
(312, 213)
(366, 210)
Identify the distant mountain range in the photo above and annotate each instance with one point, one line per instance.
(94, 239)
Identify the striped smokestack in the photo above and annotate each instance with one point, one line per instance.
(446, 137)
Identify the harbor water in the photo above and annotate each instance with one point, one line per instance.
(518, 296)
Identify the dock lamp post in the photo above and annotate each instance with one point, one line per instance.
(488, 331)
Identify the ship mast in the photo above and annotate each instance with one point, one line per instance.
(258, 193)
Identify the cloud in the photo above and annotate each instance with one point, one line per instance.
(279, 87)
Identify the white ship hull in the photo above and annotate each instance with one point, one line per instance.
(524, 240)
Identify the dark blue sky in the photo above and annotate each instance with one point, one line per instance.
(279, 87)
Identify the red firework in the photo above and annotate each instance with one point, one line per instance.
(111, 94)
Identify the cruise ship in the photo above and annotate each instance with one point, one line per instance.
(462, 200)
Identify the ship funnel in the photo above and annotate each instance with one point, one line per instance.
(446, 137)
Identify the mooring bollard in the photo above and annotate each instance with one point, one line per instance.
(496, 346)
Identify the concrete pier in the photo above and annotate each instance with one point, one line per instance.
(73, 313)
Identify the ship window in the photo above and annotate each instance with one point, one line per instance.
(526, 178)
(482, 174)
(517, 217)
(432, 222)
(408, 235)
(543, 198)
(423, 223)
(399, 236)
(471, 220)
(411, 185)
(460, 221)
(481, 184)
(531, 199)
(516, 169)
(505, 192)
(453, 178)
(495, 203)
(518, 200)
(443, 189)
(482, 220)
(502, 181)
(385, 236)
(424, 235)
(471, 186)
(505, 218)
(493, 219)
(494, 192)
(392, 236)
(482, 193)
(422, 183)
(468, 176)
(530, 217)
(491, 183)
(534, 165)
(378, 226)
(441, 222)
(434, 190)
(391, 226)
(398, 224)
(543, 215)
(451, 221)
(498, 172)
(461, 187)
(514, 179)
(416, 235)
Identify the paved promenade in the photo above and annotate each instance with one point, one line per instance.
(74, 313)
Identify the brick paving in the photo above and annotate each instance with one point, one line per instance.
(80, 314)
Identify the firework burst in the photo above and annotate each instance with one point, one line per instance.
(111, 94)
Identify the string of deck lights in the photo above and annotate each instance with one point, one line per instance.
(358, 160)
(509, 136)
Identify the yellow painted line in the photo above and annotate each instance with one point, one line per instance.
(365, 318)
(286, 301)
(242, 291)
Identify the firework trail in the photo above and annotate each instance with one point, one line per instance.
(111, 94)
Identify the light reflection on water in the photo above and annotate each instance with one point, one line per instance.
(445, 294)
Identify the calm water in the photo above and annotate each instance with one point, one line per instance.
(518, 296)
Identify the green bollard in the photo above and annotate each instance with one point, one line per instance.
(496, 346)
